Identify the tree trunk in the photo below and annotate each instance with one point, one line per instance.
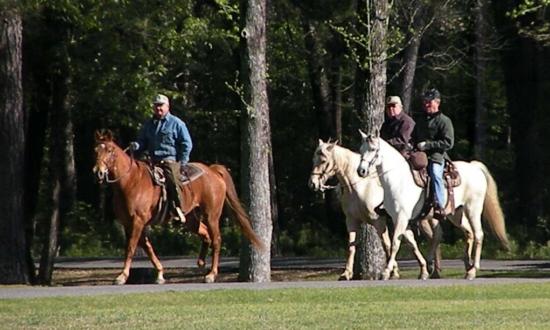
(372, 117)
(318, 79)
(256, 137)
(13, 262)
(411, 56)
(480, 63)
(62, 166)
(418, 23)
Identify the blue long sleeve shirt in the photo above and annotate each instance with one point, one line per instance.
(166, 139)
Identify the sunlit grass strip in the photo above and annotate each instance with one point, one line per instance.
(491, 306)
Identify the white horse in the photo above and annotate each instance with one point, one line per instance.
(403, 199)
(359, 198)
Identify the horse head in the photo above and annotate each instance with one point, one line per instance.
(105, 154)
(370, 153)
(324, 166)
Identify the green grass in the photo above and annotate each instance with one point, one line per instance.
(485, 307)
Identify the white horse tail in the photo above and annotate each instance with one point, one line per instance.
(492, 211)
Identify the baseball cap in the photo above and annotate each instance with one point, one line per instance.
(161, 99)
(432, 94)
(394, 100)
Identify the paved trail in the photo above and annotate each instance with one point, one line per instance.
(278, 263)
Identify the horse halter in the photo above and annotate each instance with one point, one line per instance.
(109, 162)
(324, 175)
(372, 161)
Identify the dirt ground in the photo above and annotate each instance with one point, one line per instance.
(80, 277)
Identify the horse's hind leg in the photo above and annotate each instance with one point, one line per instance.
(431, 228)
(474, 217)
(145, 243)
(205, 244)
(214, 232)
(460, 220)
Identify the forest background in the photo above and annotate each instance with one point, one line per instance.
(94, 64)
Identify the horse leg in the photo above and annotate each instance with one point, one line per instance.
(400, 227)
(432, 230)
(460, 220)
(133, 236)
(214, 231)
(205, 244)
(409, 236)
(145, 243)
(383, 233)
(352, 225)
(475, 222)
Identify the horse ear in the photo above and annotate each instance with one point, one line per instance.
(363, 135)
(108, 135)
(321, 142)
(98, 136)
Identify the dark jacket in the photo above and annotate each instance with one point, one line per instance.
(438, 133)
(398, 131)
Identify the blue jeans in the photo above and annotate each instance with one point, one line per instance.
(435, 171)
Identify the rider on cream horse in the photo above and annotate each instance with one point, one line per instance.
(359, 198)
(404, 200)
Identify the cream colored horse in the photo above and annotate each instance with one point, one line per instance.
(403, 199)
(359, 198)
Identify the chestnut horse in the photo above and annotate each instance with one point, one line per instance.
(136, 197)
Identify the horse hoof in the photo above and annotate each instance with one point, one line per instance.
(209, 278)
(470, 276)
(120, 280)
(435, 275)
(395, 276)
(200, 263)
(385, 276)
(345, 277)
(431, 267)
(423, 276)
(160, 280)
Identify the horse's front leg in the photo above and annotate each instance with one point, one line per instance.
(383, 233)
(348, 272)
(133, 236)
(145, 243)
(409, 236)
(400, 227)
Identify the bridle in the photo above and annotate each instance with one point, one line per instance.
(110, 162)
(373, 160)
(323, 177)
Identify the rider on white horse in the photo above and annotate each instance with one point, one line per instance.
(435, 136)
(398, 127)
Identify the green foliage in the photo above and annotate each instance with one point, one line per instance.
(85, 235)
(531, 17)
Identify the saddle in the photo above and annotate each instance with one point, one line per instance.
(188, 174)
(418, 162)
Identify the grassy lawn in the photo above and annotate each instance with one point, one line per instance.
(488, 307)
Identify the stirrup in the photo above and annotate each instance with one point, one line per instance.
(181, 216)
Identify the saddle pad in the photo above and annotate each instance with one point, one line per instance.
(189, 173)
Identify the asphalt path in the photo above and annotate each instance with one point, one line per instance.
(8, 292)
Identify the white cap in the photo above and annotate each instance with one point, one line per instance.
(394, 100)
(161, 99)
